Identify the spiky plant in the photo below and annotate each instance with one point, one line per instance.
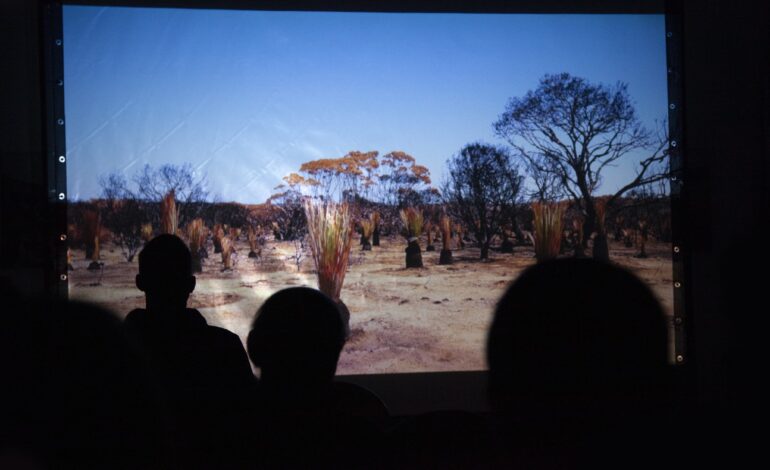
(169, 218)
(253, 238)
(458, 228)
(217, 235)
(429, 235)
(367, 228)
(577, 230)
(196, 234)
(547, 223)
(445, 226)
(330, 229)
(92, 227)
(227, 252)
(146, 232)
(375, 218)
(413, 224)
(643, 236)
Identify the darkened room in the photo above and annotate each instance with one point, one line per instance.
(502, 347)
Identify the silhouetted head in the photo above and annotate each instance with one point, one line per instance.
(296, 338)
(575, 334)
(165, 272)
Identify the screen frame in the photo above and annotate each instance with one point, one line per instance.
(463, 389)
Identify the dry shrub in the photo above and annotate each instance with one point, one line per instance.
(330, 229)
(169, 217)
(547, 223)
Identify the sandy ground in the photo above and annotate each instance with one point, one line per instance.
(416, 320)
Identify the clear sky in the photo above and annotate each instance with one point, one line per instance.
(246, 96)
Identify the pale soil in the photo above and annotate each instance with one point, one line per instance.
(416, 320)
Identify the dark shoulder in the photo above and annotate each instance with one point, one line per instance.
(223, 336)
(136, 317)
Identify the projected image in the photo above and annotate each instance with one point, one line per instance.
(410, 166)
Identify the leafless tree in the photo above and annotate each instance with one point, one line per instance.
(573, 130)
(482, 190)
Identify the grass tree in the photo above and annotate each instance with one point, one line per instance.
(227, 253)
(253, 234)
(217, 235)
(445, 225)
(547, 221)
(367, 228)
(169, 218)
(429, 236)
(92, 227)
(146, 232)
(330, 230)
(196, 234)
(375, 218)
(412, 221)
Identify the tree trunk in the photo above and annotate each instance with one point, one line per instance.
(445, 257)
(376, 237)
(485, 250)
(413, 255)
(520, 237)
(506, 246)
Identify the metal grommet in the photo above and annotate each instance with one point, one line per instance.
(58, 42)
(672, 106)
(61, 196)
(669, 34)
(673, 143)
(63, 277)
(676, 249)
(62, 159)
(679, 358)
(678, 321)
(60, 121)
(677, 284)
(60, 82)
(63, 236)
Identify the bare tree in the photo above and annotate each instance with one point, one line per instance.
(482, 190)
(189, 189)
(574, 129)
(123, 214)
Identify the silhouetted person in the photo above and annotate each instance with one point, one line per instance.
(295, 341)
(577, 361)
(204, 369)
(75, 392)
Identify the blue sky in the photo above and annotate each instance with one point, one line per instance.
(247, 96)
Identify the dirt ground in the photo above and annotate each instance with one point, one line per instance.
(416, 320)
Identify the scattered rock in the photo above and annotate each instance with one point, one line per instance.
(467, 299)
(403, 302)
(424, 298)
(445, 299)
(436, 301)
